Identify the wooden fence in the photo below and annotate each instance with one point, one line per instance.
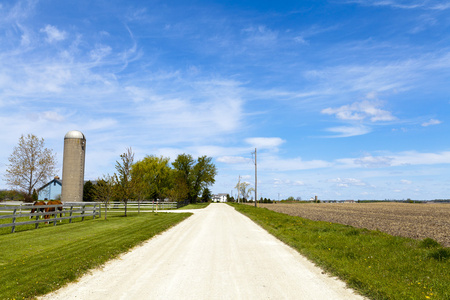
(69, 212)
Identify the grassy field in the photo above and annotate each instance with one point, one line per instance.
(376, 264)
(418, 221)
(35, 262)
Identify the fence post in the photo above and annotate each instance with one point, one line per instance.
(94, 211)
(82, 211)
(37, 219)
(14, 221)
(56, 216)
(71, 212)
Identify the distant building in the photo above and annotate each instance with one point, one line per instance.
(51, 190)
(220, 198)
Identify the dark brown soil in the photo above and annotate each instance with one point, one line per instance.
(416, 221)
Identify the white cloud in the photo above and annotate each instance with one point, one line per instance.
(374, 161)
(234, 159)
(265, 143)
(287, 182)
(348, 131)
(100, 52)
(53, 34)
(404, 4)
(431, 122)
(406, 158)
(360, 111)
(404, 181)
(347, 182)
(275, 163)
(52, 116)
(260, 36)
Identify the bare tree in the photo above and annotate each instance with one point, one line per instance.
(30, 165)
(123, 183)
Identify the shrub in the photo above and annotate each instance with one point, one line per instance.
(429, 243)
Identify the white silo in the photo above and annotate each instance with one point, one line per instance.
(73, 166)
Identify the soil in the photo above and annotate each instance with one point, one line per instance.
(417, 221)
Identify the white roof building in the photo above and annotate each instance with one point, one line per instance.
(220, 198)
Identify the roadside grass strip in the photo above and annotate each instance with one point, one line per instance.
(36, 262)
(195, 206)
(376, 264)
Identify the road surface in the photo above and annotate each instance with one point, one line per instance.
(217, 253)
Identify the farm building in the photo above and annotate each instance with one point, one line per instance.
(219, 198)
(51, 190)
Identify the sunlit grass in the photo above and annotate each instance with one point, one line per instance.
(376, 264)
(35, 262)
(195, 205)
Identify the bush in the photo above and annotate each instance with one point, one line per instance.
(429, 243)
(440, 254)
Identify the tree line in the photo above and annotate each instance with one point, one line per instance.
(151, 178)
(154, 178)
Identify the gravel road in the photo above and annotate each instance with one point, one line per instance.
(217, 253)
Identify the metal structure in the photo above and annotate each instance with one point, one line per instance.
(73, 167)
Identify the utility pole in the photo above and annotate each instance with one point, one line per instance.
(256, 180)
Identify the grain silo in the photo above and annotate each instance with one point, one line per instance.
(73, 167)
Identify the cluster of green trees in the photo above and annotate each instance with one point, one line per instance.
(154, 178)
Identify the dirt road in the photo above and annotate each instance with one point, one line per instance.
(215, 254)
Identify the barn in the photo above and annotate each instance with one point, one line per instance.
(51, 190)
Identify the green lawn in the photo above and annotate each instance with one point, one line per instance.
(35, 262)
(195, 205)
(378, 265)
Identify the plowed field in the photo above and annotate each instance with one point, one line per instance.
(416, 221)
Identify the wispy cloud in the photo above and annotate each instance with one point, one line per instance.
(401, 159)
(431, 122)
(348, 131)
(360, 111)
(347, 182)
(265, 143)
(405, 4)
(53, 34)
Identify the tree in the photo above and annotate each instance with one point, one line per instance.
(123, 184)
(30, 165)
(196, 176)
(152, 178)
(206, 195)
(179, 191)
(204, 173)
(88, 191)
(243, 191)
(103, 191)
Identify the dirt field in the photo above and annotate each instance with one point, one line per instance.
(416, 221)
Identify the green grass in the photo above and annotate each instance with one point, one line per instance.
(196, 205)
(35, 262)
(378, 265)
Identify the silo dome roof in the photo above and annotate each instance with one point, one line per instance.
(74, 134)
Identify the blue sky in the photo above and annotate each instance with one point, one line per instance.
(342, 99)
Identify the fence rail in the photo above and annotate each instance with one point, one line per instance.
(75, 210)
